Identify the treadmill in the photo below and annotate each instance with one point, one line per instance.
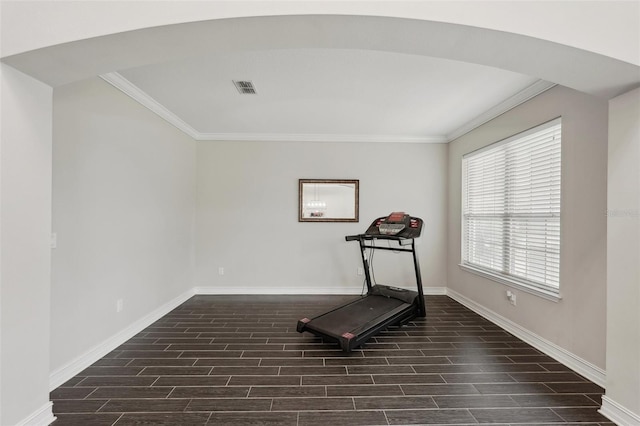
(352, 324)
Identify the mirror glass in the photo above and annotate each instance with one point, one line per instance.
(328, 200)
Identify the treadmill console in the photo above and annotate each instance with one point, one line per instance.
(394, 223)
(397, 224)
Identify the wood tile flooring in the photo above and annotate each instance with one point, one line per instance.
(238, 360)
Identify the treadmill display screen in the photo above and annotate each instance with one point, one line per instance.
(397, 224)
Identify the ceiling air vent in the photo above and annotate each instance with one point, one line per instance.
(245, 87)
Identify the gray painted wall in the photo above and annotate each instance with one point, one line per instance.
(123, 210)
(577, 323)
(247, 214)
(623, 255)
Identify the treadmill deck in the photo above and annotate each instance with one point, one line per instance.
(351, 317)
(355, 322)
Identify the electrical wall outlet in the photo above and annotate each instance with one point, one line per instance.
(221, 271)
(119, 305)
(511, 296)
(360, 271)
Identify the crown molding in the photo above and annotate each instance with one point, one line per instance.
(133, 91)
(319, 137)
(521, 97)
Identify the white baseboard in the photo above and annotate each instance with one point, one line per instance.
(71, 369)
(574, 362)
(610, 409)
(63, 374)
(435, 291)
(41, 417)
(618, 414)
(274, 291)
(284, 291)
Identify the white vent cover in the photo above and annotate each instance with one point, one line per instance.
(245, 87)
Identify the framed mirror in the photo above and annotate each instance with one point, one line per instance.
(328, 200)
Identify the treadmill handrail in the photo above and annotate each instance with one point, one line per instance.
(387, 248)
(361, 238)
(376, 237)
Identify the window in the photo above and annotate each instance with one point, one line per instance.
(511, 210)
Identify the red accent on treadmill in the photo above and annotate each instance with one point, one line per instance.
(348, 335)
(305, 320)
(396, 217)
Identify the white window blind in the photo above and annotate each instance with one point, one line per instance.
(511, 208)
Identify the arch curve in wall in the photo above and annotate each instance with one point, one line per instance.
(569, 66)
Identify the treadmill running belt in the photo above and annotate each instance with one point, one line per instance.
(354, 315)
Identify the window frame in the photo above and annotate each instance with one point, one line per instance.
(503, 276)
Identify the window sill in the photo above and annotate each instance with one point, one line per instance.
(548, 295)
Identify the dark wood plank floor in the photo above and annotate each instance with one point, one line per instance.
(238, 360)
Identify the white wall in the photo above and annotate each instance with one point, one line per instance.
(123, 211)
(247, 216)
(623, 261)
(577, 322)
(35, 24)
(25, 256)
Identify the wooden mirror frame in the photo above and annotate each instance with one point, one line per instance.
(304, 202)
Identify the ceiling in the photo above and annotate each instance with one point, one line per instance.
(316, 94)
(329, 77)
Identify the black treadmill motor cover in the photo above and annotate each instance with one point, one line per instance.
(407, 296)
